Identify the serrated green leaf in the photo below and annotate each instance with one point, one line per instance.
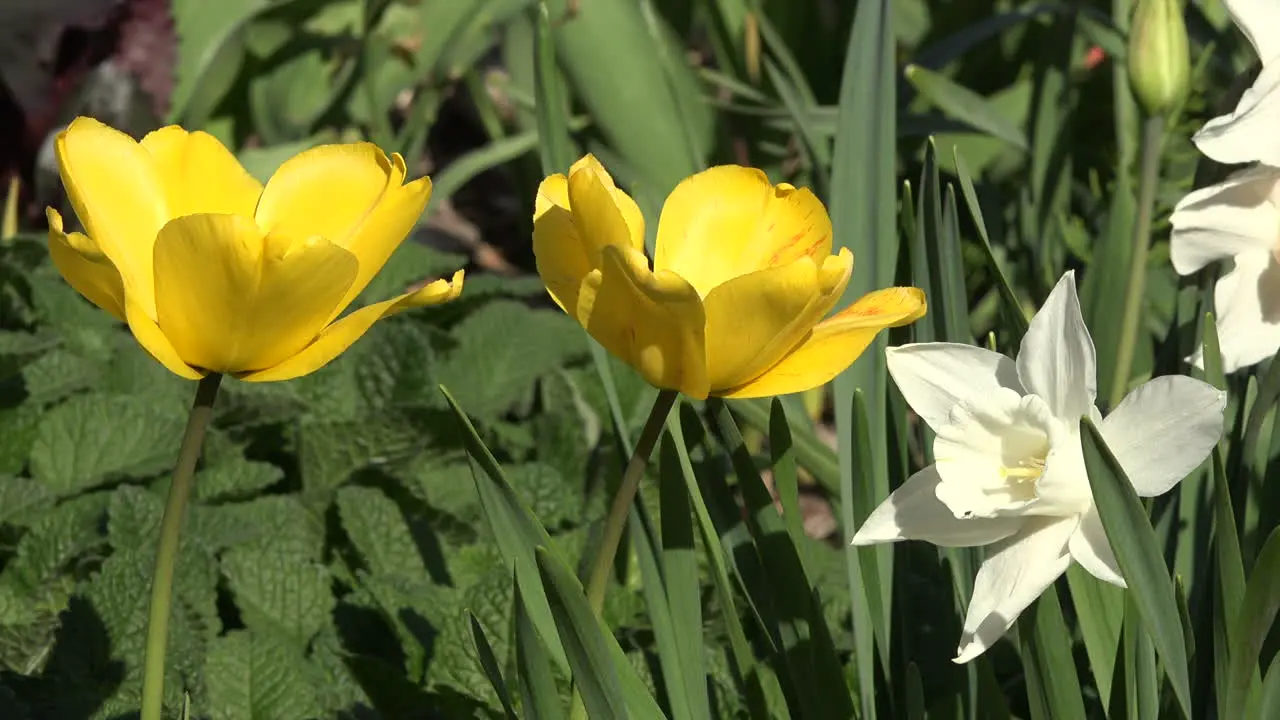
(330, 452)
(238, 479)
(91, 439)
(254, 675)
(22, 500)
(379, 532)
(502, 349)
(280, 588)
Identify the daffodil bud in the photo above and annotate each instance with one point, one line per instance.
(1159, 61)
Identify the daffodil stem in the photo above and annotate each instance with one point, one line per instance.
(618, 513)
(167, 549)
(1148, 179)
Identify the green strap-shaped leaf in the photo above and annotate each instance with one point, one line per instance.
(489, 662)
(539, 696)
(514, 527)
(608, 684)
(1133, 540)
(1053, 689)
(965, 105)
(1250, 629)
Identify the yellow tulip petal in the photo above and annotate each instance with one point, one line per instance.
(383, 230)
(85, 268)
(558, 252)
(754, 320)
(327, 191)
(339, 336)
(153, 340)
(729, 221)
(199, 174)
(836, 342)
(653, 322)
(603, 214)
(231, 300)
(118, 196)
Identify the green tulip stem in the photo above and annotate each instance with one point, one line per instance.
(1148, 179)
(618, 513)
(167, 549)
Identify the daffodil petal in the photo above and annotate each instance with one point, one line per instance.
(653, 322)
(374, 241)
(339, 336)
(327, 191)
(729, 221)
(836, 342)
(1017, 570)
(754, 320)
(558, 251)
(153, 340)
(85, 268)
(199, 175)
(603, 214)
(118, 196)
(231, 300)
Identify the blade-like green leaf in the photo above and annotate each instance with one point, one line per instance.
(809, 655)
(1100, 612)
(640, 529)
(489, 663)
(539, 696)
(785, 479)
(680, 574)
(555, 147)
(965, 105)
(514, 527)
(1138, 553)
(609, 684)
(1053, 689)
(864, 219)
(1250, 628)
(1013, 308)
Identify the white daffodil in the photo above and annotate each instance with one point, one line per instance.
(1238, 219)
(1009, 468)
(1248, 133)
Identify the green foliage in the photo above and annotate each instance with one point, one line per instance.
(363, 545)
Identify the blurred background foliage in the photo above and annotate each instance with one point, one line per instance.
(340, 562)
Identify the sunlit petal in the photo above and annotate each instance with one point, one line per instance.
(1164, 430)
(199, 175)
(118, 196)
(1057, 361)
(1224, 220)
(729, 221)
(935, 377)
(913, 512)
(336, 338)
(327, 191)
(232, 301)
(85, 268)
(1015, 573)
(1089, 547)
(835, 343)
(652, 321)
(754, 320)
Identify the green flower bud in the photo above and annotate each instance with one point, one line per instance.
(1159, 61)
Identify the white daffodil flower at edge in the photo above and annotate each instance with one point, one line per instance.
(1239, 219)
(1009, 468)
(1247, 134)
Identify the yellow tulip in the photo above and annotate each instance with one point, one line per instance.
(214, 272)
(742, 278)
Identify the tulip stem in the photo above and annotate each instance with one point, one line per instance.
(618, 513)
(167, 549)
(1148, 179)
